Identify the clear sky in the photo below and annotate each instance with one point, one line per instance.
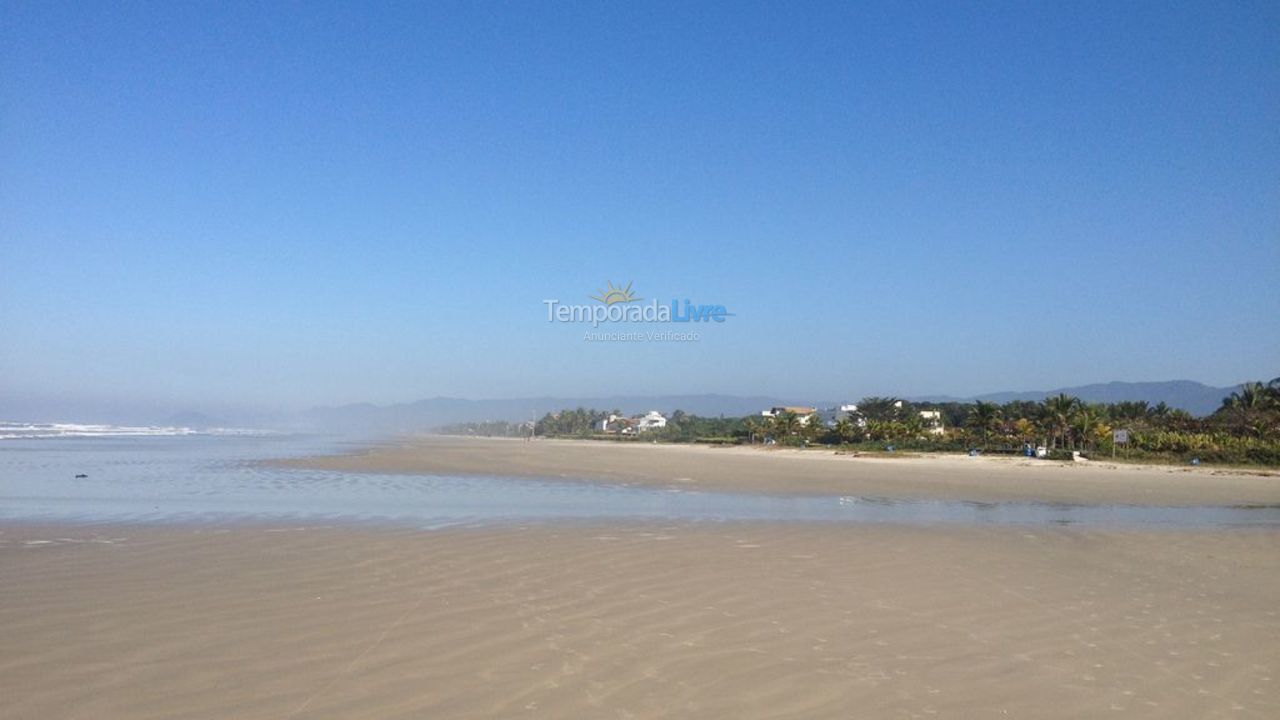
(287, 204)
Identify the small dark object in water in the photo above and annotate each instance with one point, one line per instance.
(82, 475)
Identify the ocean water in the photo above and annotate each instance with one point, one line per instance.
(188, 477)
(18, 430)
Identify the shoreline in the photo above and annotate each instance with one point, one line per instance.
(810, 472)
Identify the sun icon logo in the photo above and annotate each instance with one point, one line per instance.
(615, 295)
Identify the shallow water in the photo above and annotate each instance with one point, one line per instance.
(195, 478)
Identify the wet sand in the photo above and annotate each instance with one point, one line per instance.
(647, 620)
(945, 477)
(637, 621)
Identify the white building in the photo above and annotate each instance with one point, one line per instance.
(932, 421)
(618, 424)
(652, 420)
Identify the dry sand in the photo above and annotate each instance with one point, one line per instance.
(635, 621)
(988, 479)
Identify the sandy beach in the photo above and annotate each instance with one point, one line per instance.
(649, 619)
(744, 469)
(637, 621)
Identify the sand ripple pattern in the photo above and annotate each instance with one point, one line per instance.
(637, 621)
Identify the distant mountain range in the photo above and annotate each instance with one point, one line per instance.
(422, 415)
(1194, 397)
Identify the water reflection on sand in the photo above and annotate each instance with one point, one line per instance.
(218, 479)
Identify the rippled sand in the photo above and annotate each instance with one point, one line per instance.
(695, 620)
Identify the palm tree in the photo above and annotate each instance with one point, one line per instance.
(814, 429)
(1085, 421)
(983, 417)
(882, 430)
(880, 408)
(912, 425)
(1247, 407)
(1056, 414)
(1024, 429)
(847, 428)
(1130, 409)
(786, 423)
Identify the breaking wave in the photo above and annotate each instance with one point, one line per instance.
(18, 430)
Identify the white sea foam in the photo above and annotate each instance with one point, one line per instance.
(18, 430)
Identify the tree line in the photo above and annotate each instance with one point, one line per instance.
(1244, 429)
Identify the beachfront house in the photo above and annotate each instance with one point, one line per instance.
(652, 420)
(932, 421)
(619, 425)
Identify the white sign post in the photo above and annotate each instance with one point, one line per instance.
(1118, 437)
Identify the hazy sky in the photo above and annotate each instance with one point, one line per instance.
(211, 204)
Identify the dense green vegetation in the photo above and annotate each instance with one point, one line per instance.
(1244, 430)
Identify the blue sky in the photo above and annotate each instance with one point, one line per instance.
(278, 205)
